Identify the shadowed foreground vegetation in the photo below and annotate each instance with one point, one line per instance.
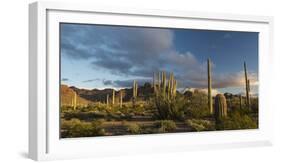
(156, 107)
(189, 113)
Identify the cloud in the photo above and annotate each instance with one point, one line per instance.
(107, 82)
(64, 79)
(91, 80)
(203, 90)
(221, 80)
(124, 83)
(137, 53)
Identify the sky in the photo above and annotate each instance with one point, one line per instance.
(102, 56)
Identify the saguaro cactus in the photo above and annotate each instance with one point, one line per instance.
(121, 98)
(220, 107)
(247, 84)
(107, 100)
(113, 96)
(135, 93)
(240, 101)
(74, 101)
(249, 90)
(210, 100)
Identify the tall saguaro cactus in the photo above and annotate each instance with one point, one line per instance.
(210, 100)
(113, 96)
(74, 105)
(107, 100)
(220, 107)
(135, 93)
(121, 98)
(240, 101)
(247, 84)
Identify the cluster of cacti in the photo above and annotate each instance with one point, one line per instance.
(247, 84)
(166, 103)
(135, 93)
(161, 87)
(210, 100)
(220, 107)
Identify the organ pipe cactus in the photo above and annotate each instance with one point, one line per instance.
(165, 97)
(210, 100)
(220, 107)
(167, 89)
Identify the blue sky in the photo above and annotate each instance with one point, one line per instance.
(97, 56)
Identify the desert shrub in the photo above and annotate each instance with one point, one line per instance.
(200, 125)
(236, 121)
(84, 115)
(169, 108)
(255, 104)
(77, 128)
(133, 128)
(165, 125)
(198, 105)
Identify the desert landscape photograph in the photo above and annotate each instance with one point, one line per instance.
(128, 80)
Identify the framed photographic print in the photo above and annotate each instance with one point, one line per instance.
(108, 81)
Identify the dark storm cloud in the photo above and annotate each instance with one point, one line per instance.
(138, 52)
(107, 82)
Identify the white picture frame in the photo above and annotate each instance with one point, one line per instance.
(44, 141)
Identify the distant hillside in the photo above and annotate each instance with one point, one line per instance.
(67, 95)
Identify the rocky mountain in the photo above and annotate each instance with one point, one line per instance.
(67, 95)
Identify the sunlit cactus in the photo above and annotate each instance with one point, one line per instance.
(210, 100)
(165, 97)
(135, 93)
(121, 98)
(220, 107)
(107, 100)
(74, 101)
(167, 89)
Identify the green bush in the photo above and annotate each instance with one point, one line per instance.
(77, 128)
(197, 106)
(133, 128)
(172, 109)
(165, 125)
(200, 125)
(236, 121)
(76, 114)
